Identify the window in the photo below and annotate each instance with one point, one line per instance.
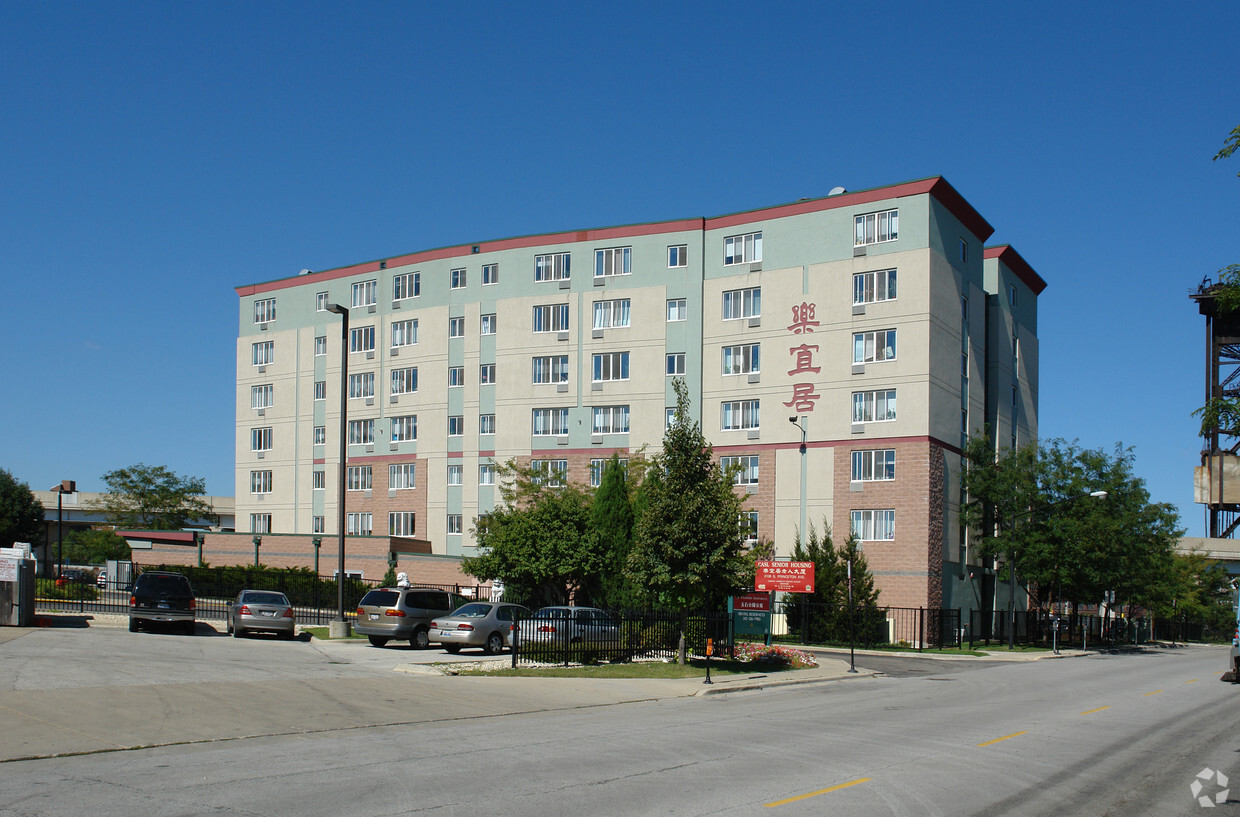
(874, 525)
(486, 374)
(404, 428)
(611, 314)
(361, 432)
(748, 465)
(320, 435)
(365, 293)
(262, 397)
(873, 347)
(1012, 294)
(1014, 393)
(405, 381)
(742, 303)
(490, 274)
(749, 526)
(404, 333)
(265, 310)
(454, 524)
(320, 302)
(486, 423)
(598, 466)
(742, 249)
(264, 352)
(669, 418)
(456, 426)
(612, 261)
(874, 466)
(486, 474)
(741, 359)
(551, 267)
(456, 327)
(358, 478)
(359, 524)
(739, 414)
(871, 287)
(874, 406)
(406, 286)
(553, 421)
(964, 364)
(320, 390)
(320, 346)
(610, 420)
(260, 439)
(611, 366)
(260, 523)
(400, 523)
(458, 279)
(1015, 355)
(552, 473)
(964, 309)
(260, 482)
(552, 369)
(676, 363)
(875, 228)
(454, 474)
(487, 325)
(319, 524)
(320, 480)
(362, 385)
(402, 477)
(456, 376)
(677, 256)
(552, 318)
(362, 339)
(964, 251)
(676, 310)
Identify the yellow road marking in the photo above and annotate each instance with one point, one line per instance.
(816, 793)
(1193, 681)
(1005, 737)
(1092, 711)
(1155, 692)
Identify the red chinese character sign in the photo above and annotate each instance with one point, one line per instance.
(803, 393)
(786, 577)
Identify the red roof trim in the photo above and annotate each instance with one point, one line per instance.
(1011, 259)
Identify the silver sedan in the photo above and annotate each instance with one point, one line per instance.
(478, 624)
(261, 610)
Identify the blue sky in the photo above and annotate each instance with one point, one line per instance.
(153, 156)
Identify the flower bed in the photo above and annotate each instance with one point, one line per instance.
(774, 656)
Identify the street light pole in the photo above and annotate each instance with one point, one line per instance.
(1012, 558)
(343, 312)
(66, 486)
(799, 422)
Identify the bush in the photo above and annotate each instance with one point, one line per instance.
(774, 656)
(70, 591)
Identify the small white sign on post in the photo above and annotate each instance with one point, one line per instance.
(8, 569)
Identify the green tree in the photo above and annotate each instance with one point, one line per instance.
(688, 536)
(1222, 413)
(152, 497)
(611, 518)
(21, 515)
(824, 616)
(1202, 593)
(538, 540)
(95, 546)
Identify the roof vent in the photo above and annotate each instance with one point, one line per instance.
(305, 272)
(836, 191)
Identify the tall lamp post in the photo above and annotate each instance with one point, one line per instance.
(1012, 559)
(66, 486)
(799, 422)
(343, 312)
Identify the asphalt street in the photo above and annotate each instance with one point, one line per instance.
(1100, 734)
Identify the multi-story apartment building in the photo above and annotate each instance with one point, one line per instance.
(840, 349)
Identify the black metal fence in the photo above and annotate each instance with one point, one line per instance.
(867, 626)
(585, 636)
(314, 598)
(1040, 628)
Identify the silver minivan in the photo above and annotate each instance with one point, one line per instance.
(403, 614)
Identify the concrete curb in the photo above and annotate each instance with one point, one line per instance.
(721, 687)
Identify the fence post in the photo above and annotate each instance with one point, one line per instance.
(921, 628)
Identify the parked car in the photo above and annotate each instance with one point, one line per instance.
(402, 614)
(71, 575)
(102, 578)
(570, 625)
(159, 597)
(261, 611)
(478, 624)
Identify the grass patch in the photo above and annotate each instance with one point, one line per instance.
(898, 648)
(324, 633)
(696, 668)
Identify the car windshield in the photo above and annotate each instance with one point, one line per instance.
(472, 611)
(264, 598)
(172, 585)
(380, 598)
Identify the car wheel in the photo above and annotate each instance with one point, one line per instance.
(289, 636)
(228, 628)
(237, 632)
(377, 640)
(133, 625)
(452, 648)
(495, 644)
(421, 639)
(190, 627)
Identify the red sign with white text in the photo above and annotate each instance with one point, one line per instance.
(787, 577)
(760, 602)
